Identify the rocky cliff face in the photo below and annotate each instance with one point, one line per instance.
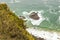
(11, 27)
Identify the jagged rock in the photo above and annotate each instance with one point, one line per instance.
(34, 16)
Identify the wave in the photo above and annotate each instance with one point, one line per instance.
(47, 35)
(14, 1)
(34, 22)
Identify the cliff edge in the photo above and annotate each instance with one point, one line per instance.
(11, 27)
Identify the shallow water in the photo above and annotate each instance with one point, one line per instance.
(51, 10)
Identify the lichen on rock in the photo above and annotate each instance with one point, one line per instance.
(11, 27)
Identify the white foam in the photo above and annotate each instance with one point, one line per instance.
(25, 14)
(47, 19)
(34, 22)
(59, 18)
(14, 1)
(59, 11)
(37, 22)
(59, 6)
(13, 11)
(44, 34)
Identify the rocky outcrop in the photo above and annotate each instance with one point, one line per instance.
(34, 16)
(11, 27)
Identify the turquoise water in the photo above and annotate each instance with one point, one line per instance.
(50, 7)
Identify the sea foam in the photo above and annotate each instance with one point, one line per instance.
(34, 22)
(47, 35)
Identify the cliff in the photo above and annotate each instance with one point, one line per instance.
(11, 27)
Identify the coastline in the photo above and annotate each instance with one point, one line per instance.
(47, 35)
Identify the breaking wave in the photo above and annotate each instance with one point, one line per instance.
(34, 22)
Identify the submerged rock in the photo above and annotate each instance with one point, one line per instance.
(11, 27)
(22, 17)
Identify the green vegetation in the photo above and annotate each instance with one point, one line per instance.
(11, 27)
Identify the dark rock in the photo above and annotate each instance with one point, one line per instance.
(22, 17)
(34, 16)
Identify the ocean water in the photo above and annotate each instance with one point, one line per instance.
(51, 10)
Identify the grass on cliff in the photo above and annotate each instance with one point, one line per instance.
(11, 27)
